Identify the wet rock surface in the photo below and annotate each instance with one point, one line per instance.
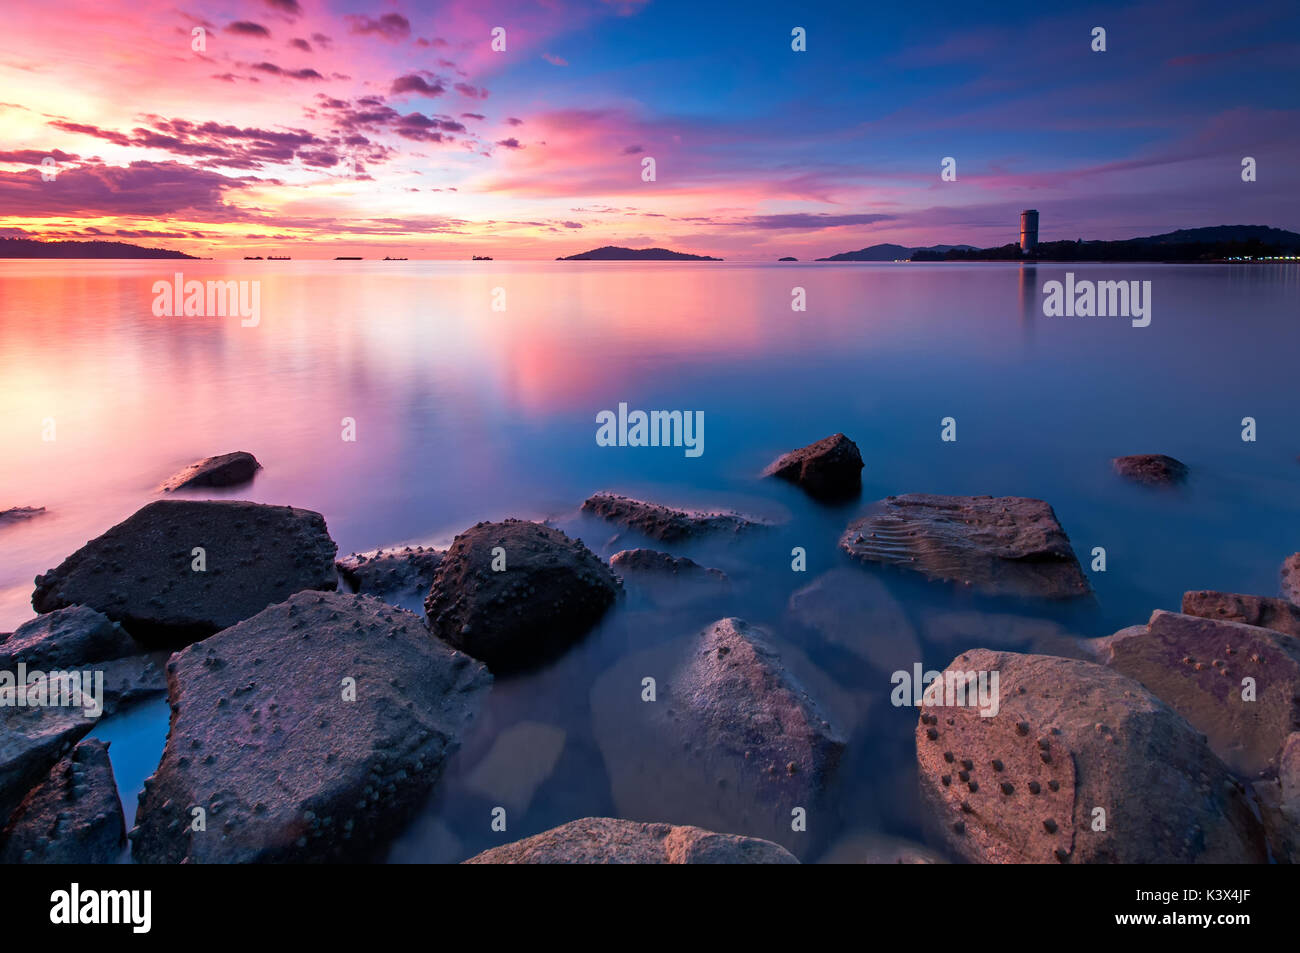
(732, 740)
(226, 469)
(74, 816)
(1007, 545)
(665, 523)
(391, 572)
(1070, 736)
(31, 741)
(607, 840)
(1291, 578)
(140, 572)
(1151, 469)
(286, 769)
(830, 469)
(1278, 614)
(551, 592)
(69, 637)
(1196, 666)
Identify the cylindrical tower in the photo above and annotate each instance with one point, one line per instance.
(1028, 230)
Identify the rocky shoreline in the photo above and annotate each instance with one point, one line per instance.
(310, 724)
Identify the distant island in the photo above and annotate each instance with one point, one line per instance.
(787, 258)
(31, 248)
(1214, 243)
(889, 252)
(615, 253)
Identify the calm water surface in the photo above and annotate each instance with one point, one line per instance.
(465, 413)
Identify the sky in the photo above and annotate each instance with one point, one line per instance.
(316, 129)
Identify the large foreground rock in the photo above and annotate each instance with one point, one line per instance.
(1007, 545)
(607, 840)
(1151, 469)
(1279, 614)
(388, 573)
(665, 523)
(264, 738)
(1197, 667)
(73, 817)
(71, 637)
(227, 469)
(732, 742)
(551, 592)
(830, 469)
(140, 572)
(1024, 785)
(31, 741)
(1291, 578)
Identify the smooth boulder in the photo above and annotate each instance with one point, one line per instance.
(142, 572)
(547, 593)
(830, 469)
(1151, 469)
(608, 840)
(1003, 546)
(226, 469)
(1198, 666)
(74, 816)
(1069, 738)
(665, 523)
(313, 731)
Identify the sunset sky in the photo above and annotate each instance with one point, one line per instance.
(394, 128)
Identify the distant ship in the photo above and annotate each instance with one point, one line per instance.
(348, 258)
(252, 258)
(278, 258)
(386, 258)
(481, 258)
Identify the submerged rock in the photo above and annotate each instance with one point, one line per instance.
(732, 740)
(607, 840)
(141, 572)
(669, 580)
(1279, 800)
(1278, 614)
(16, 514)
(1007, 545)
(549, 594)
(264, 736)
(520, 761)
(1196, 666)
(1069, 738)
(227, 469)
(74, 816)
(830, 469)
(665, 523)
(855, 611)
(390, 572)
(1291, 578)
(873, 847)
(1151, 469)
(31, 741)
(74, 636)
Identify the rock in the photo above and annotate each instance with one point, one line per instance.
(669, 580)
(16, 514)
(71, 637)
(732, 742)
(227, 469)
(263, 738)
(1069, 737)
(521, 759)
(664, 523)
(854, 610)
(389, 572)
(31, 741)
(140, 572)
(1279, 799)
(1278, 614)
(1007, 545)
(1291, 578)
(873, 847)
(830, 469)
(128, 681)
(74, 816)
(1151, 469)
(1004, 630)
(607, 840)
(1196, 666)
(552, 591)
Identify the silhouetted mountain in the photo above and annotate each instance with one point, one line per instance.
(30, 248)
(1225, 233)
(615, 253)
(889, 252)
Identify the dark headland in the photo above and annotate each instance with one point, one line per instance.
(615, 253)
(888, 252)
(30, 248)
(1214, 243)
